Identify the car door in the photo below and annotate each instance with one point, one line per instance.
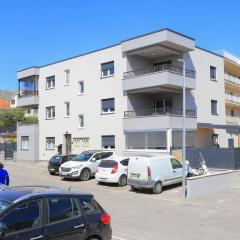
(95, 161)
(177, 170)
(23, 222)
(65, 219)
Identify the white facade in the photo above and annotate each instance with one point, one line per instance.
(147, 90)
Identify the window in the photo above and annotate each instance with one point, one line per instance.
(50, 143)
(107, 69)
(67, 109)
(175, 163)
(50, 82)
(66, 77)
(81, 121)
(215, 140)
(25, 142)
(108, 105)
(62, 208)
(50, 112)
(147, 140)
(81, 87)
(90, 206)
(214, 107)
(23, 217)
(125, 162)
(213, 75)
(108, 142)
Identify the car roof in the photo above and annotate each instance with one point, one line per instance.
(95, 151)
(154, 157)
(17, 193)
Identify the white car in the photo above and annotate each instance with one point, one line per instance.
(84, 165)
(113, 170)
(154, 172)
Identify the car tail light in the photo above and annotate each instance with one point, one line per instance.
(115, 168)
(106, 219)
(149, 172)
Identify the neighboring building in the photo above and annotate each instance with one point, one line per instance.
(4, 104)
(128, 98)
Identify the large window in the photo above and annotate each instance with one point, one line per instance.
(50, 82)
(213, 74)
(214, 107)
(177, 138)
(81, 87)
(107, 69)
(108, 105)
(25, 142)
(147, 140)
(50, 143)
(23, 217)
(108, 142)
(50, 112)
(81, 120)
(62, 208)
(67, 109)
(66, 77)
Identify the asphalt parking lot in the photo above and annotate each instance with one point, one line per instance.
(144, 216)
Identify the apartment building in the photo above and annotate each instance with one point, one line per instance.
(128, 98)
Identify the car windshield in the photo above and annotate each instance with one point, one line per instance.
(83, 157)
(107, 163)
(4, 205)
(55, 159)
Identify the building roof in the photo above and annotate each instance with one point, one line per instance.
(4, 104)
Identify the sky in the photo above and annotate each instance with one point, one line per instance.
(34, 33)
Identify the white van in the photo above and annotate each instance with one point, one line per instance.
(154, 172)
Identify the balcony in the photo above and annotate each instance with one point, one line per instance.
(164, 75)
(233, 120)
(232, 99)
(149, 119)
(28, 98)
(232, 79)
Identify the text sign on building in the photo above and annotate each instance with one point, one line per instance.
(80, 142)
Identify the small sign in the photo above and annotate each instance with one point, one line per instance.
(80, 142)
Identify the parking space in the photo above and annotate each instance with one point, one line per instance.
(145, 216)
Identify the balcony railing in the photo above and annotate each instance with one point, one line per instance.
(232, 98)
(27, 123)
(160, 68)
(159, 111)
(28, 94)
(233, 120)
(233, 79)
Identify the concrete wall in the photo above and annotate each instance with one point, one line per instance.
(209, 184)
(88, 69)
(32, 154)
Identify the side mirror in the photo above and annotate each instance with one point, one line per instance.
(94, 159)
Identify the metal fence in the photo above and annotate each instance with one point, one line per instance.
(218, 158)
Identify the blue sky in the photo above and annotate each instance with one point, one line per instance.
(40, 32)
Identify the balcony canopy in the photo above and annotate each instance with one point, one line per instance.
(158, 44)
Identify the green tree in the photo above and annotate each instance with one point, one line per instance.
(10, 117)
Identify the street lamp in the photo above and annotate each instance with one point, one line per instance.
(184, 187)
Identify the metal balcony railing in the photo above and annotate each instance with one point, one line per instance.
(27, 94)
(159, 111)
(233, 79)
(232, 98)
(160, 68)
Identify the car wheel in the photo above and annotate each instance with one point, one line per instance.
(157, 188)
(122, 181)
(85, 175)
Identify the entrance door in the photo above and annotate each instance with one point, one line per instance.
(9, 147)
(68, 141)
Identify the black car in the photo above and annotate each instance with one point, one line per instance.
(55, 162)
(32, 213)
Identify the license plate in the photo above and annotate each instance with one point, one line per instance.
(135, 175)
(52, 169)
(64, 174)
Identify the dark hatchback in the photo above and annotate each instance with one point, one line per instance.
(56, 161)
(32, 213)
